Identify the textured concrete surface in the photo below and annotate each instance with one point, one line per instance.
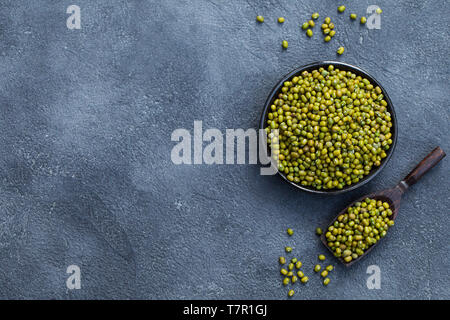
(85, 170)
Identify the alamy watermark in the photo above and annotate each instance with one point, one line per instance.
(74, 280)
(374, 18)
(74, 20)
(212, 146)
(374, 280)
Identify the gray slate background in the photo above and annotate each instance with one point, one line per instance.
(85, 169)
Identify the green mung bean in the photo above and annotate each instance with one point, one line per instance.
(361, 226)
(333, 128)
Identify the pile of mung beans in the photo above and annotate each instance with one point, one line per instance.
(360, 227)
(333, 127)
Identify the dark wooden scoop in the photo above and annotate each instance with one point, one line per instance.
(393, 196)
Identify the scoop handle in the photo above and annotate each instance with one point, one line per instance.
(423, 167)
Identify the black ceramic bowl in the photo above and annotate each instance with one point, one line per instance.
(357, 71)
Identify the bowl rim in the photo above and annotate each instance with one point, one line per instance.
(358, 71)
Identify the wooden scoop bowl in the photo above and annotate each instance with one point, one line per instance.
(393, 196)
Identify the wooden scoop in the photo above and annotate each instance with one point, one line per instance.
(393, 195)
